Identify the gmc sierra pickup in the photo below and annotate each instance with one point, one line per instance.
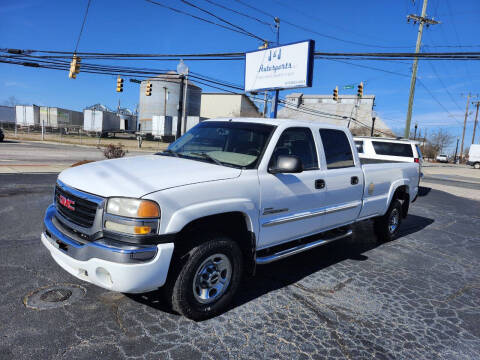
(228, 195)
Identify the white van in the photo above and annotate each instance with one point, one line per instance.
(474, 156)
(373, 149)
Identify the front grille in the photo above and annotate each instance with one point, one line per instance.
(84, 210)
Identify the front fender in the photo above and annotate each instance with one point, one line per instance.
(182, 217)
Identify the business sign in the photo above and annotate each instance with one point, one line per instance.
(282, 67)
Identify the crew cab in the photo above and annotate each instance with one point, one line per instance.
(229, 195)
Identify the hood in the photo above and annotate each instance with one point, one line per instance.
(140, 175)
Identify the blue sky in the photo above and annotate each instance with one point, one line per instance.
(140, 27)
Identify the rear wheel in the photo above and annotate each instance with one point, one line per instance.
(476, 165)
(387, 226)
(206, 282)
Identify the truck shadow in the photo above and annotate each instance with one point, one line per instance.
(293, 269)
(288, 271)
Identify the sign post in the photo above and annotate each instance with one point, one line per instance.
(282, 67)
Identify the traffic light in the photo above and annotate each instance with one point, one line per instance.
(119, 84)
(74, 67)
(148, 89)
(335, 93)
(360, 90)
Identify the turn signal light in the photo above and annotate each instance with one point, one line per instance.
(142, 230)
(148, 209)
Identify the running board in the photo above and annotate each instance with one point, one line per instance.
(299, 248)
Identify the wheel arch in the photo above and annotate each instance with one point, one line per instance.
(236, 225)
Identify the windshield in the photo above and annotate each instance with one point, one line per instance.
(224, 142)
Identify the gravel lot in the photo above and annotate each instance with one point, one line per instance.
(417, 297)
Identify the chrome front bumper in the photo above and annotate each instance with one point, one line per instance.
(108, 263)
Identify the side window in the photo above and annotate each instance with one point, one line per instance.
(392, 149)
(298, 141)
(359, 146)
(338, 152)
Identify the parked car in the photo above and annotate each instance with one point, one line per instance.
(374, 149)
(442, 158)
(227, 196)
(2, 135)
(474, 156)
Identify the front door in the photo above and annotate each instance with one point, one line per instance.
(291, 203)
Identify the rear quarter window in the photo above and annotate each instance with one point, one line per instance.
(392, 149)
(359, 146)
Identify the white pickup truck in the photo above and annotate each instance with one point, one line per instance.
(228, 195)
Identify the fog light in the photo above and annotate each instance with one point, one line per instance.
(127, 229)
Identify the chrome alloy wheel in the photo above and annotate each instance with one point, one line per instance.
(212, 278)
(393, 221)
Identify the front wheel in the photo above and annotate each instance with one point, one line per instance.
(476, 165)
(208, 280)
(387, 226)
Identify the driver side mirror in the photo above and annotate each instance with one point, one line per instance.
(286, 164)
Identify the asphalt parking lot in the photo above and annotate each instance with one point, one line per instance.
(417, 297)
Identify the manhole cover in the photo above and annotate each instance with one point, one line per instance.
(54, 296)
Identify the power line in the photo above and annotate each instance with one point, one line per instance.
(199, 18)
(303, 28)
(222, 20)
(83, 25)
(239, 13)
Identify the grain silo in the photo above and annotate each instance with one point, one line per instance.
(164, 99)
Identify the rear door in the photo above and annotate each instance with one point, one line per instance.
(291, 203)
(343, 179)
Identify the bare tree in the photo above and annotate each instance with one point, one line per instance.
(11, 101)
(441, 139)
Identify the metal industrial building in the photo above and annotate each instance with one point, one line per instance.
(165, 98)
(27, 115)
(304, 106)
(60, 118)
(216, 105)
(7, 114)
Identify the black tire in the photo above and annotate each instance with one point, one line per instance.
(179, 289)
(476, 166)
(387, 226)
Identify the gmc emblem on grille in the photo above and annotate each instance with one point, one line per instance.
(66, 202)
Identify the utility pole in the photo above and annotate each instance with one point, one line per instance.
(415, 135)
(464, 126)
(456, 150)
(422, 20)
(477, 104)
(180, 108)
(165, 102)
(274, 109)
(373, 126)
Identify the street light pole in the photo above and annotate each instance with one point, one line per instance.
(273, 114)
(182, 70)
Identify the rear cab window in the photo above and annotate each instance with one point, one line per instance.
(338, 152)
(392, 149)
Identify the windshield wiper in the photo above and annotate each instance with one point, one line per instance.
(168, 151)
(206, 156)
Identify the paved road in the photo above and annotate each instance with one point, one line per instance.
(34, 157)
(417, 297)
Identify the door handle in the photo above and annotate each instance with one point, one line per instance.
(354, 180)
(319, 184)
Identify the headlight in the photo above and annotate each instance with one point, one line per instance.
(134, 208)
(132, 216)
